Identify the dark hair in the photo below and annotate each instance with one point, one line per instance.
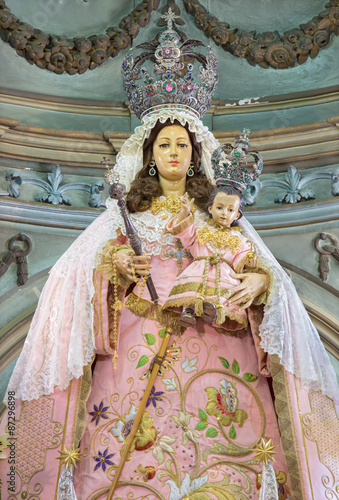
(228, 190)
(144, 187)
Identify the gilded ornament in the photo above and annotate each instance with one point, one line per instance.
(221, 238)
(264, 451)
(70, 456)
(171, 204)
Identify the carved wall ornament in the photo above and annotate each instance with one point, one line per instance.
(324, 253)
(60, 54)
(17, 253)
(270, 48)
(54, 190)
(294, 190)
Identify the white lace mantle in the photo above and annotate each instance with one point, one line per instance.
(64, 316)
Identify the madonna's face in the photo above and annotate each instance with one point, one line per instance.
(172, 152)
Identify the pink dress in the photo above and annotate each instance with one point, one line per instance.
(209, 407)
(218, 253)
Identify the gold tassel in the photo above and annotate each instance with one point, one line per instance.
(199, 306)
(221, 316)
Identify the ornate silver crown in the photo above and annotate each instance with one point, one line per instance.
(230, 165)
(170, 82)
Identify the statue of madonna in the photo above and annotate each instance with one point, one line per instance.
(219, 390)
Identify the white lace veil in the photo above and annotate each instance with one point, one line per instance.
(64, 316)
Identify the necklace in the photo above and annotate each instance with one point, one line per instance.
(221, 238)
(163, 205)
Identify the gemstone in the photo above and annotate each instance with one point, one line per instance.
(169, 87)
(178, 254)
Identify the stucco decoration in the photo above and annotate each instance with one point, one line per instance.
(54, 191)
(72, 55)
(293, 185)
(325, 251)
(17, 253)
(76, 55)
(270, 49)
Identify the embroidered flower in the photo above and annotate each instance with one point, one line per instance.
(170, 384)
(183, 419)
(154, 397)
(99, 413)
(4, 443)
(186, 487)
(123, 427)
(147, 472)
(172, 355)
(163, 446)
(103, 459)
(224, 404)
(188, 365)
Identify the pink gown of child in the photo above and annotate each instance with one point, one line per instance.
(218, 253)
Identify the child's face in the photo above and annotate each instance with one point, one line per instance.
(225, 209)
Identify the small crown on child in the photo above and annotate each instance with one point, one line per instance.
(230, 165)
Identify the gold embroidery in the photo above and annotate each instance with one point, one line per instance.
(221, 238)
(170, 204)
(178, 255)
(36, 433)
(197, 287)
(146, 309)
(212, 223)
(322, 427)
(189, 301)
(286, 425)
(105, 262)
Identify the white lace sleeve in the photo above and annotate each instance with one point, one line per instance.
(60, 341)
(288, 331)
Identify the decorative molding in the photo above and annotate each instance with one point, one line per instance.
(219, 107)
(60, 54)
(307, 145)
(270, 48)
(54, 190)
(17, 253)
(293, 186)
(263, 219)
(325, 251)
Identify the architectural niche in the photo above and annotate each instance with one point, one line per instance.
(60, 54)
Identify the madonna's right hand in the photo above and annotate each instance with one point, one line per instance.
(125, 259)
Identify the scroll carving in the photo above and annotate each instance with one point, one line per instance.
(270, 48)
(72, 55)
(77, 55)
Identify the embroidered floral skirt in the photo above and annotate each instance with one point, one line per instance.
(207, 410)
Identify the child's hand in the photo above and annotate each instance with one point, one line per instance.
(186, 206)
(251, 260)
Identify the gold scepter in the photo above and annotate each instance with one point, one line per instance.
(157, 362)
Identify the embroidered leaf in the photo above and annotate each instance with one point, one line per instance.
(162, 333)
(224, 362)
(249, 377)
(235, 367)
(232, 434)
(212, 433)
(142, 361)
(202, 415)
(201, 426)
(150, 339)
